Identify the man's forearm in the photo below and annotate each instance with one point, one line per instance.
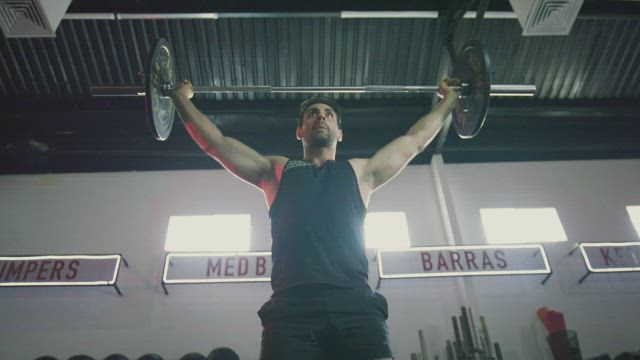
(426, 128)
(201, 129)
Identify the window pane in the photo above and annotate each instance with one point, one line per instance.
(385, 230)
(512, 226)
(229, 232)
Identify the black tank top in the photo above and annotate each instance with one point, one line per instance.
(317, 227)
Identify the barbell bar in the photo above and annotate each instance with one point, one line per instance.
(472, 69)
(128, 90)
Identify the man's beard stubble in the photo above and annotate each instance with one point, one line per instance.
(322, 140)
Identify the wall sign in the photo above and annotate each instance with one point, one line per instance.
(193, 268)
(609, 257)
(473, 260)
(60, 270)
(198, 268)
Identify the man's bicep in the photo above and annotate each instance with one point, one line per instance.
(387, 162)
(242, 160)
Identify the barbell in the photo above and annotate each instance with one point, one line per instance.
(472, 69)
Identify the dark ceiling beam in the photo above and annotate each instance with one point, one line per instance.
(258, 117)
(13, 108)
(115, 139)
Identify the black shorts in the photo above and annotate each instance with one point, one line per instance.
(325, 324)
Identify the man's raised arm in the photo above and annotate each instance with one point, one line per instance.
(238, 158)
(393, 157)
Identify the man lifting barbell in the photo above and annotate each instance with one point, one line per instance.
(322, 306)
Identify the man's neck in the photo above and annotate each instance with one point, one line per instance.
(318, 156)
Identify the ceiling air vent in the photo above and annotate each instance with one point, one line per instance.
(31, 18)
(546, 17)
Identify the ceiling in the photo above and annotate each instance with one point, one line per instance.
(587, 103)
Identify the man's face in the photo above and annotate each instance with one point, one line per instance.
(319, 126)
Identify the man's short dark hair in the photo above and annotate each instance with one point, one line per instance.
(223, 353)
(319, 100)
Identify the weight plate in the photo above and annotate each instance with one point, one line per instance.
(160, 109)
(472, 67)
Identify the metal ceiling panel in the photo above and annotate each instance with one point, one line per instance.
(589, 74)
(597, 60)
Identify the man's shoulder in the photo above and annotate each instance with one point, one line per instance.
(277, 160)
(358, 164)
(277, 164)
(358, 161)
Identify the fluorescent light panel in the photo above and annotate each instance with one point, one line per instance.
(388, 14)
(634, 215)
(157, 16)
(89, 16)
(240, 15)
(510, 225)
(384, 230)
(221, 232)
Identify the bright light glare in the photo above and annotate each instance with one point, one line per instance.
(386, 230)
(228, 232)
(634, 214)
(512, 226)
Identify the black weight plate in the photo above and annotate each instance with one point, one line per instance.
(472, 67)
(160, 109)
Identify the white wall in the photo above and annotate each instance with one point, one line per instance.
(128, 213)
(590, 197)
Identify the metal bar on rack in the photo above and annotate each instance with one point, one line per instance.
(423, 345)
(487, 337)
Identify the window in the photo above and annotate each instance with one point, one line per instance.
(228, 232)
(512, 226)
(386, 230)
(634, 214)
